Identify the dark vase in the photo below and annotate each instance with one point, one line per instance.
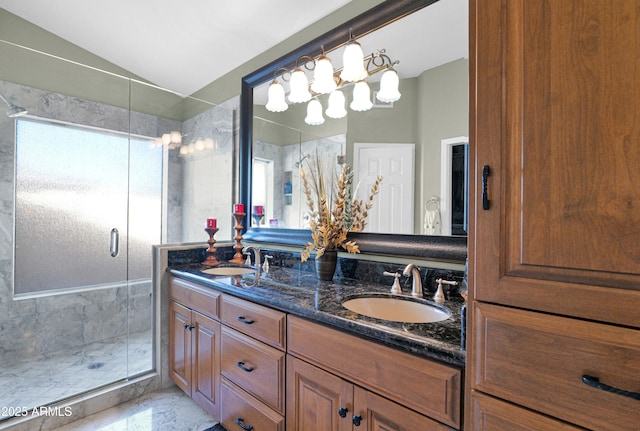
(326, 265)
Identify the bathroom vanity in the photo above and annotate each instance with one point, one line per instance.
(285, 354)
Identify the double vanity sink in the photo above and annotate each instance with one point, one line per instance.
(415, 325)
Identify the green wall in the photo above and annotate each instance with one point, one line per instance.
(49, 72)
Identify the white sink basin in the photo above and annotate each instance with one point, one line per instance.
(397, 309)
(229, 270)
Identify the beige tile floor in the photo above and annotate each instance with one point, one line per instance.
(169, 410)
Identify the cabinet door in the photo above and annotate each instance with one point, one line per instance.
(317, 400)
(557, 120)
(374, 413)
(180, 346)
(206, 363)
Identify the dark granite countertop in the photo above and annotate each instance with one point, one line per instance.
(300, 293)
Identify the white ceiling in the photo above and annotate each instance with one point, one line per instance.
(184, 46)
(179, 45)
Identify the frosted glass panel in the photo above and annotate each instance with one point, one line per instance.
(71, 191)
(145, 206)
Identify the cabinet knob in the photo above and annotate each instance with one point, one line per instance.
(240, 423)
(356, 419)
(342, 412)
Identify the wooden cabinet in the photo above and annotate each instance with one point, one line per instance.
(319, 400)
(194, 346)
(360, 380)
(229, 355)
(555, 235)
(253, 365)
(316, 399)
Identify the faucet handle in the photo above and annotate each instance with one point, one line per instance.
(439, 296)
(265, 265)
(395, 289)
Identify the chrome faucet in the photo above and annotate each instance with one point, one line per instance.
(416, 285)
(257, 266)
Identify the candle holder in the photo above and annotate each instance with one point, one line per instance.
(238, 257)
(257, 218)
(211, 258)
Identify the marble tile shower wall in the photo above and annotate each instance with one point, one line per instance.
(292, 213)
(32, 327)
(204, 187)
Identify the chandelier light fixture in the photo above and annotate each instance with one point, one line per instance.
(326, 80)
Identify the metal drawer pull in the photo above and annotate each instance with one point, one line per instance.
(594, 382)
(342, 412)
(242, 365)
(243, 426)
(486, 173)
(114, 245)
(245, 320)
(357, 420)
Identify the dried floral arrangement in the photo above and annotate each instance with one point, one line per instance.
(334, 209)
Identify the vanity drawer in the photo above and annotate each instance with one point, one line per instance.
(255, 367)
(490, 414)
(539, 361)
(240, 410)
(255, 320)
(199, 298)
(425, 386)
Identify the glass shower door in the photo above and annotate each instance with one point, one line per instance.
(71, 208)
(88, 207)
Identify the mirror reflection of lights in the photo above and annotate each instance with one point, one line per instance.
(197, 146)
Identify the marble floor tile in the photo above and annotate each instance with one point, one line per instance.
(42, 380)
(169, 410)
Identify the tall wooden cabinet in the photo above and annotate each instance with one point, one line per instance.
(194, 343)
(555, 244)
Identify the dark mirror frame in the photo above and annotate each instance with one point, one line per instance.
(440, 248)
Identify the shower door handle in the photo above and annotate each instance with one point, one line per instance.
(114, 246)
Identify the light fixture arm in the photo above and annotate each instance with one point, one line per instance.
(5, 101)
(380, 61)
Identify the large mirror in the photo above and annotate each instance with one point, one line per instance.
(425, 130)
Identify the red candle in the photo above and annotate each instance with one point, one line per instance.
(258, 210)
(238, 208)
(212, 223)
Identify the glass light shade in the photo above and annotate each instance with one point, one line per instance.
(275, 98)
(353, 63)
(299, 87)
(323, 81)
(336, 105)
(389, 87)
(175, 137)
(361, 97)
(314, 113)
